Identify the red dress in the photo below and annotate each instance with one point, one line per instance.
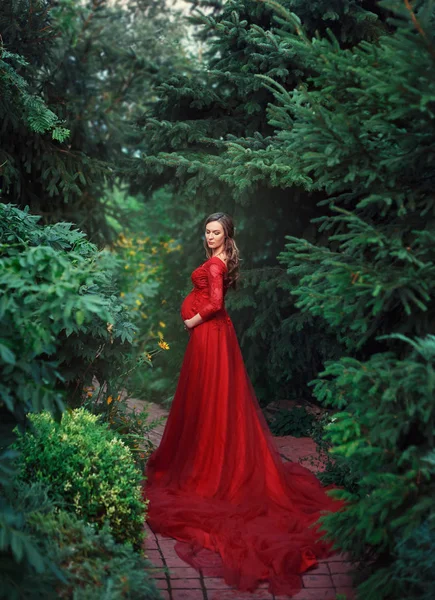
(216, 481)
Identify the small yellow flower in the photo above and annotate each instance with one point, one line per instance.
(126, 266)
(122, 294)
(132, 253)
(160, 334)
(163, 301)
(109, 399)
(148, 356)
(162, 324)
(163, 345)
(89, 394)
(138, 302)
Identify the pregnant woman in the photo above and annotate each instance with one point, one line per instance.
(216, 482)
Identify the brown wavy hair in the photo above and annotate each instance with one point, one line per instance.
(230, 246)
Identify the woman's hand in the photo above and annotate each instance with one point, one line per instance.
(190, 324)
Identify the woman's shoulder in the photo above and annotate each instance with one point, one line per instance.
(218, 260)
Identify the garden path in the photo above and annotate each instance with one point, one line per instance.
(178, 581)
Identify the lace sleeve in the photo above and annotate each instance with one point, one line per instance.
(215, 274)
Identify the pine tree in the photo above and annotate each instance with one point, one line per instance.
(211, 139)
(364, 133)
(94, 65)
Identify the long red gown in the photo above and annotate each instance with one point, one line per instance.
(216, 481)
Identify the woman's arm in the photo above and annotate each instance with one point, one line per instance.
(215, 275)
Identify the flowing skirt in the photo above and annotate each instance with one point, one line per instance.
(217, 482)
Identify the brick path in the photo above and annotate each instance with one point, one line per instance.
(178, 581)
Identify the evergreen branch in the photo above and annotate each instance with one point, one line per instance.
(289, 17)
(419, 28)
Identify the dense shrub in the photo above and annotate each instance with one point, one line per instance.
(62, 326)
(62, 321)
(89, 467)
(297, 422)
(82, 562)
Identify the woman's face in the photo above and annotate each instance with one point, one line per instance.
(214, 234)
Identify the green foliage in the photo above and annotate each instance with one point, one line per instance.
(360, 131)
(130, 423)
(152, 286)
(22, 106)
(415, 563)
(338, 470)
(297, 422)
(386, 425)
(63, 326)
(16, 545)
(89, 467)
(57, 299)
(82, 563)
(81, 72)
(211, 141)
(55, 307)
(325, 134)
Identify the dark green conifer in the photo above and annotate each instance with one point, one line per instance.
(88, 68)
(213, 138)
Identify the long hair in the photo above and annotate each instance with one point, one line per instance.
(230, 247)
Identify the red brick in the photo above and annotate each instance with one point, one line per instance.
(321, 569)
(174, 561)
(189, 584)
(216, 583)
(340, 567)
(154, 557)
(160, 537)
(150, 544)
(168, 551)
(158, 573)
(167, 542)
(148, 531)
(165, 595)
(161, 584)
(317, 581)
(339, 557)
(187, 595)
(211, 571)
(342, 581)
(183, 572)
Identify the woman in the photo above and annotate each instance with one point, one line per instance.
(216, 481)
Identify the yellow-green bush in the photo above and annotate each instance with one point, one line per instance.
(88, 466)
